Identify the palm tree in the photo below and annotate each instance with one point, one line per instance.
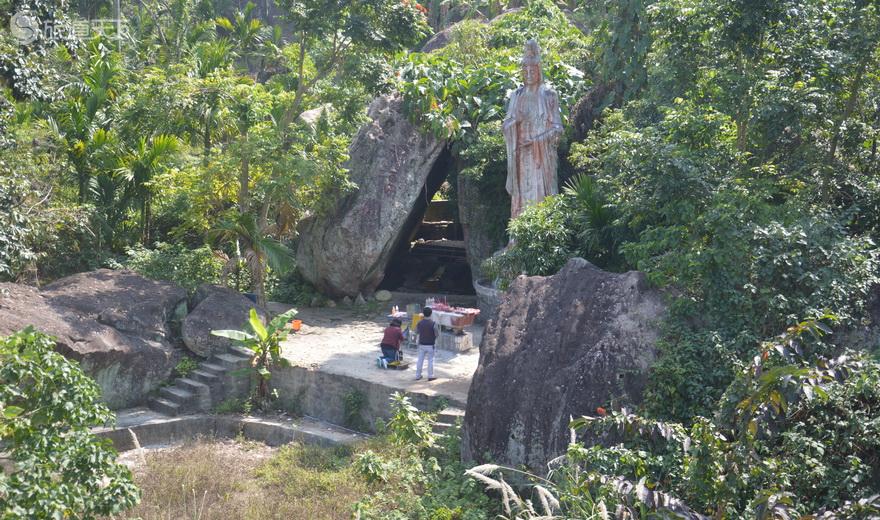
(79, 121)
(212, 55)
(255, 247)
(598, 231)
(138, 167)
(245, 32)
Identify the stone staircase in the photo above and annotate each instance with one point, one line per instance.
(446, 418)
(206, 386)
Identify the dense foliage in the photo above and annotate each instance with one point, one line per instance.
(202, 119)
(56, 467)
(186, 267)
(422, 477)
(728, 149)
(732, 157)
(795, 435)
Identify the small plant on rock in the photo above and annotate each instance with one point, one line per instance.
(186, 366)
(265, 342)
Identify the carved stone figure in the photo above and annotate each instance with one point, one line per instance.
(531, 132)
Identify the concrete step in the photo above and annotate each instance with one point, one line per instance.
(440, 427)
(238, 350)
(164, 406)
(191, 385)
(152, 429)
(204, 377)
(450, 415)
(211, 368)
(176, 395)
(230, 361)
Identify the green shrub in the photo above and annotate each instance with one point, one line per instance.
(290, 288)
(186, 366)
(233, 405)
(795, 435)
(353, 404)
(577, 222)
(422, 475)
(47, 408)
(176, 263)
(543, 241)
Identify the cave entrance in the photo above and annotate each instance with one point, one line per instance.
(430, 255)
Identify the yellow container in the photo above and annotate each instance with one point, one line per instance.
(415, 321)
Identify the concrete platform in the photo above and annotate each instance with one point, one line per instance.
(332, 358)
(345, 342)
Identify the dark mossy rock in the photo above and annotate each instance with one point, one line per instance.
(558, 347)
(215, 308)
(117, 324)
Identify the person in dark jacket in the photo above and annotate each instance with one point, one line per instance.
(429, 331)
(390, 345)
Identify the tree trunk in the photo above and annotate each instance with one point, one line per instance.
(244, 179)
(848, 108)
(146, 218)
(206, 141)
(81, 181)
(263, 386)
(260, 281)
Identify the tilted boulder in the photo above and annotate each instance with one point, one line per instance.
(117, 324)
(346, 250)
(558, 347)
(215, 308)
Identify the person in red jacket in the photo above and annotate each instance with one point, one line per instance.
(391, 341)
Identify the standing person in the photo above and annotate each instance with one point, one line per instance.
(429, 331)
(390, 345)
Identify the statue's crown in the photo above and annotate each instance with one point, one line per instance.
(531, 53)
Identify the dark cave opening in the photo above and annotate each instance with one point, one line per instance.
(430, 255)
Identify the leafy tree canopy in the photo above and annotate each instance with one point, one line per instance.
(58, 468)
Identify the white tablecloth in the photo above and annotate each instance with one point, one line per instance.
(445, 318)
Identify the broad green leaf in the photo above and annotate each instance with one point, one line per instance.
(280, 322)
(257, 325)
(11, 412)
(237, 335)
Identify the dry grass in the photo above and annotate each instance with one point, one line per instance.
(211, 479)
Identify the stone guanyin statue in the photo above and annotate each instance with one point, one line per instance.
(531, 130)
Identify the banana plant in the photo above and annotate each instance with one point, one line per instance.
(265, 342)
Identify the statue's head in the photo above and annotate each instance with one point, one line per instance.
(531, 63)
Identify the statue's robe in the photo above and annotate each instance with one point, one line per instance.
(531, 170)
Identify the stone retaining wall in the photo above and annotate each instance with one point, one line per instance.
(322, 395)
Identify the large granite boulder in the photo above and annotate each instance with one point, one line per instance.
(478, 219)
(117, 324)
(215, 308)
(346, 250)
(558, 347)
